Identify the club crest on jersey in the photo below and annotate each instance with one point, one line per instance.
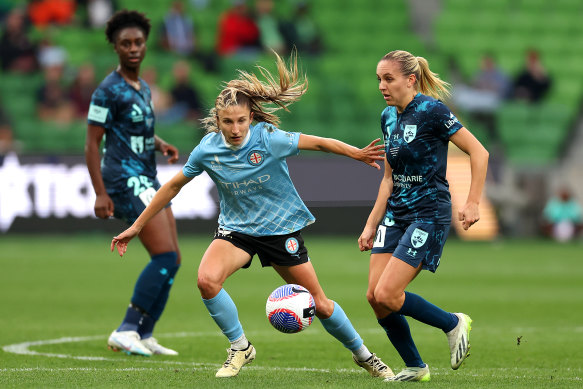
(255, 158)
(292, 245)
(410, 132)
(418, 238)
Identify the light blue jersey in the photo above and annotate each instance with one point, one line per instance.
(257, 196)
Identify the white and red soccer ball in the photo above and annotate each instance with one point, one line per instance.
(290, 308)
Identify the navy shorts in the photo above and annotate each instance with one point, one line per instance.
(282, 250)
(413, 243)
(130, 202)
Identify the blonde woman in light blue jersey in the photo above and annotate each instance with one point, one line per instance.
(260, 210)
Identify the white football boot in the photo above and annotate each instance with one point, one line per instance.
(156, 348)
(235, 361)
(459, 340)
(420, 374)
(375, 367)
(128, 342)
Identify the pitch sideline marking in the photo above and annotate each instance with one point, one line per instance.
(24, 349)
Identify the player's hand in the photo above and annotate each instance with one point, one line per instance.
(169, 151)
(103, 206)
(372, 153)
(469, 214)
(122, 240)
(366, 239)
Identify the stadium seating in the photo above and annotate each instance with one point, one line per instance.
(343, 100)
(531, 134)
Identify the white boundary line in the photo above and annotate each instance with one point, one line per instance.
(24, 349)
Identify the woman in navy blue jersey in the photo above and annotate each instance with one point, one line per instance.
(410, 221)
(125, 180)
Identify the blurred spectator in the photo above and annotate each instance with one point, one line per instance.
(6, 136)
(186, 100)
(50, 54)
(17, 52)
(491, 78)
(45, 12)
(178, 31)
(97, 12)
(178, 35)
(269, 27)
(487, 89)
(302, 32)
(533, 82)
(53, 103)
(81, 90)
(562, 216)
(161, 99)
(238, 33)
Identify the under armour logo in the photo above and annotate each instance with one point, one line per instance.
(412, 252)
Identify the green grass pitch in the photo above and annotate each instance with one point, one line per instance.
(61, 296)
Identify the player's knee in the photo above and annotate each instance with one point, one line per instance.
(207, 285)
(371, 297)
(387, 299)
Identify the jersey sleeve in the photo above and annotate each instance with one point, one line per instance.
(445, 122)
(101, 109)
(193, 167)
(282, 144)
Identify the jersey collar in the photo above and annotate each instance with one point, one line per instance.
(412, 103)
(237, 147)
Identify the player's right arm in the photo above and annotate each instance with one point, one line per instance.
(162, 197)
(103, 205)
(366, 239)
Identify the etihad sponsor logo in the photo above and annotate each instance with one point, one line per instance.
(246, 186)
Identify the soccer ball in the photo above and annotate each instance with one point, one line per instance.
(290, 308)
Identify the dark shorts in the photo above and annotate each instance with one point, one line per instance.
(282, 250)
(413, 243)
(130, 202)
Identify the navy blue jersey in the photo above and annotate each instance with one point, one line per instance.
(128, 119)
(416, 143)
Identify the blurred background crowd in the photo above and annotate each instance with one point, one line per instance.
(516, 69)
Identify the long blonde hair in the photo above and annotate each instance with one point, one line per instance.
(427, 82)
(263, 98)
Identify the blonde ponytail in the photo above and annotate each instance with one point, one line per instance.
(264, 98)
(427, 82)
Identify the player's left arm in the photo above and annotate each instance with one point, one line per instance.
(166, 148)
(465, 141)
(369, 154)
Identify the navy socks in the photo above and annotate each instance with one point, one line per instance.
(397, 328)
(151, 293)
(422, 310)
(398, 332)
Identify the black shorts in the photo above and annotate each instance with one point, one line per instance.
(282, 250)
